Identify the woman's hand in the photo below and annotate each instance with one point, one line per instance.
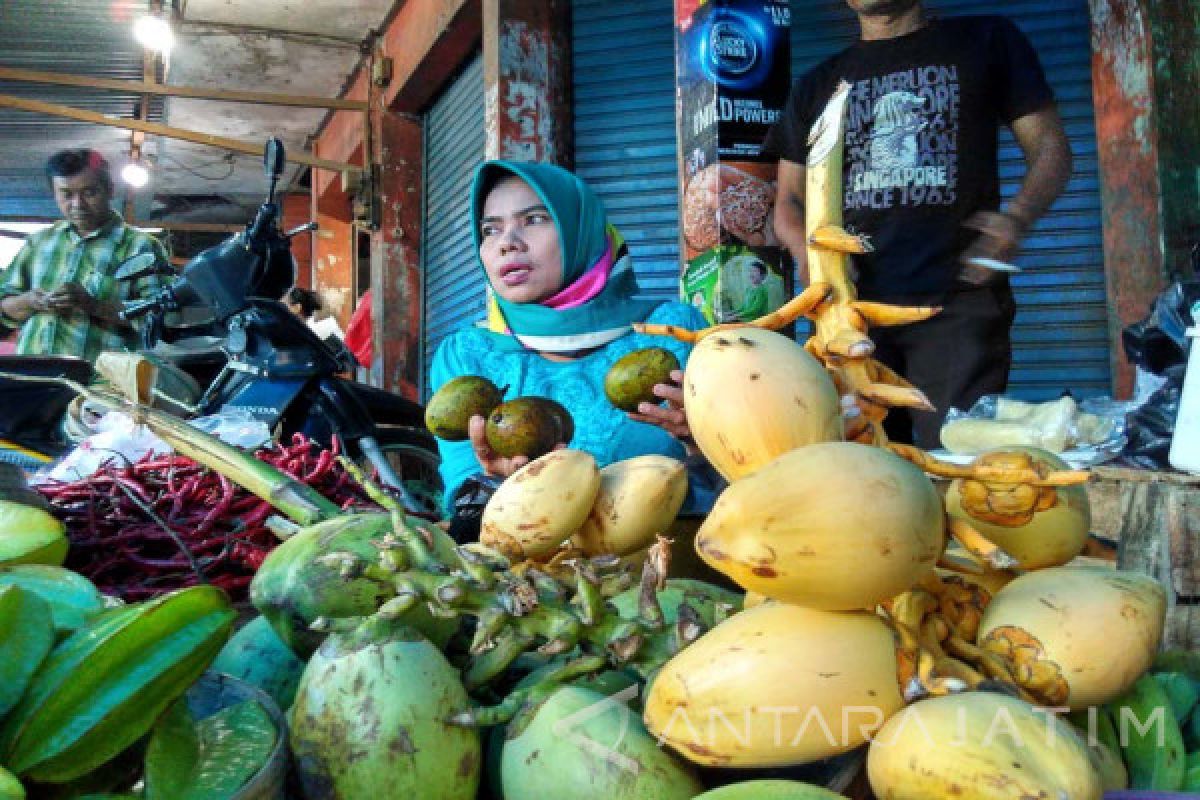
(669, 416)
(493, 464)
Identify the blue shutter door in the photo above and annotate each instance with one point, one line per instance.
(455, 140)
(1060, 338)
(624, 109)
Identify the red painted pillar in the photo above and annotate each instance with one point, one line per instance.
(1128, 139)
(527, 80)
(333, 253)
(297, 210)
(396, 255)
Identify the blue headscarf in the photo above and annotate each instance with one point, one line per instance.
(592, 251)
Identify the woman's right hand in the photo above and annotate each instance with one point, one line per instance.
(493, 464)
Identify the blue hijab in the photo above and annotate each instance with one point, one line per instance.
(592, 251)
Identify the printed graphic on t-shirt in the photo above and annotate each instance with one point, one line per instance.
(902, 139)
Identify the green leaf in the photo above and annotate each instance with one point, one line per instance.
(211, 759)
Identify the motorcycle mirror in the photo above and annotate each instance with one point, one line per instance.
(274, 158)
(138, 266)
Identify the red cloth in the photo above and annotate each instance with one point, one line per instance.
(358, 332)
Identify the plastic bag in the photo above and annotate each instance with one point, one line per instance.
(236, 427)
(1159, 341)
(117, 440)
(1152, 425)
(1085, 434)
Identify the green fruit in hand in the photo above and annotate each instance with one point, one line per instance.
(453, 405)
(631, 380)
(523, 427)
(566, 423)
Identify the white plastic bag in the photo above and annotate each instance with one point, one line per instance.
(117, 440)
(235, 427)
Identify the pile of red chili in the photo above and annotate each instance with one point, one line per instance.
(165, 522)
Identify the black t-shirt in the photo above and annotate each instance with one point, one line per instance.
(921, 138)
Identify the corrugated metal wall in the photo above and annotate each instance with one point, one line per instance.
(81, 37)
(455, 140)
(1060, 337)
(624, 85)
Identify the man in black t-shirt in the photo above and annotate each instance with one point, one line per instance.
(920, 179)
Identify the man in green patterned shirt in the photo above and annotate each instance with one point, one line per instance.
(60, 290)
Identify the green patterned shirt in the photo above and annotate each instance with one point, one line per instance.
(59, 255)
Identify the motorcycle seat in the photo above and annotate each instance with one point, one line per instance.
(387, 408)
(188, 348)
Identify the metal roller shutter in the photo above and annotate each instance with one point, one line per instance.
(624, 95)
(1060, 338)
(455, 141)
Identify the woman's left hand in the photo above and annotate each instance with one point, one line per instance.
(669, 416)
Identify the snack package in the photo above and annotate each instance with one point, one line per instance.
(1060, 426)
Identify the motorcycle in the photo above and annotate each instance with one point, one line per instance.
(254, 355)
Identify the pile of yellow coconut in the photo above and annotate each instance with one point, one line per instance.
(956, 677)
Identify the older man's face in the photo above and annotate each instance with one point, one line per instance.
(881, 7)
(84, 200)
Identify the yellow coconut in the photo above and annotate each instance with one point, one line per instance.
(1049, 536)
(752, 394)
(541, 505)
(777, 685)
(982, 746)
(1076, 636)
(638, 499)
(837, 526)
(754, 599)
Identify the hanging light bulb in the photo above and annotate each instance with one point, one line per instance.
(154, 33)
(135, 174)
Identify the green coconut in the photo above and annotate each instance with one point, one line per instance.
(258, 656)
(702, 597)
(294, 585)
(770, 790)
(577, 743)
(370, 715)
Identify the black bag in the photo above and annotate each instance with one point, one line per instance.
(469, 501)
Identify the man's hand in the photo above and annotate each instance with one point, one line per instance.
(1000, 239)
(70, 298)
(671, 416)
(789, 214)
(21, 307)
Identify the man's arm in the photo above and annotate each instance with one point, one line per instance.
(789, 214)
(19, 302)
(1047, 155)
(1047, 163)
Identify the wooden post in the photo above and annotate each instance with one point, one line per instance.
(396, 255)
(527, 80)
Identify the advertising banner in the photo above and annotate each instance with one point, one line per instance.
(732, 66)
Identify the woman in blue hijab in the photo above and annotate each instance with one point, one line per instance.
(563, 305)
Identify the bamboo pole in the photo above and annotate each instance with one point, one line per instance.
(171, 132)
(148, 87)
